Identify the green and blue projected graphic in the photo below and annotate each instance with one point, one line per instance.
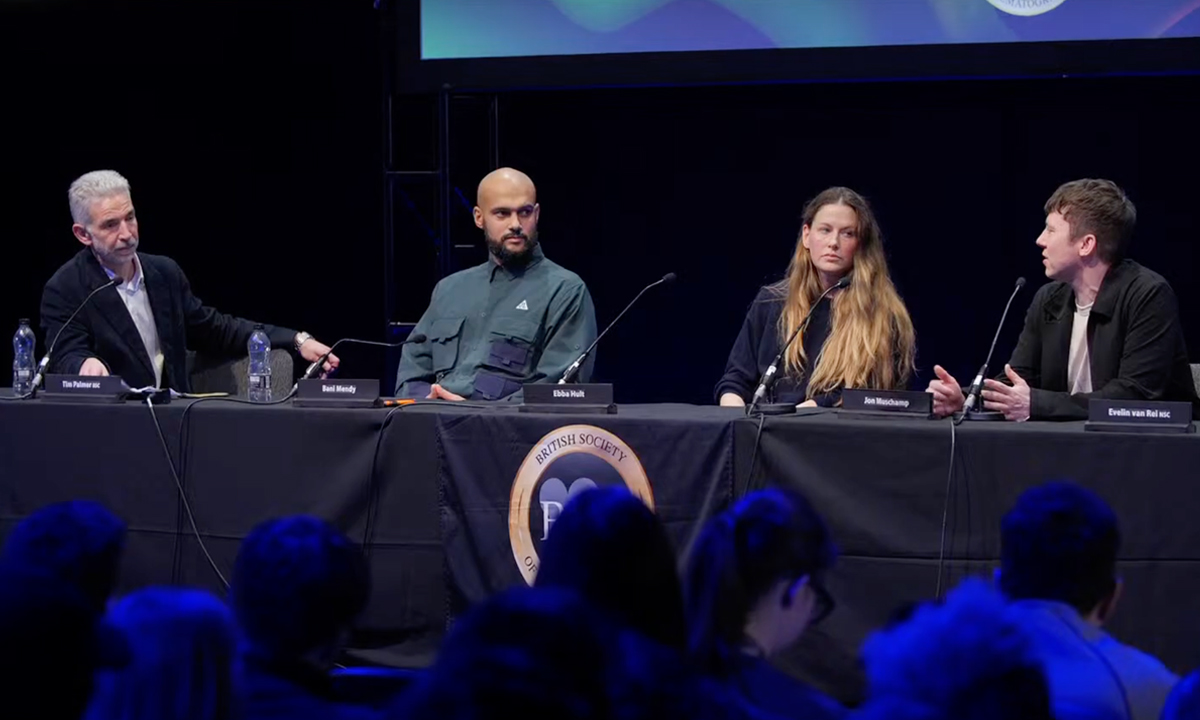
(455, 29)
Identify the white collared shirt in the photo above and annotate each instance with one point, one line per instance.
(137, 301)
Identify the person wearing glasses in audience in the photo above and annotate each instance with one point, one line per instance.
(753, 584)
(860, 336)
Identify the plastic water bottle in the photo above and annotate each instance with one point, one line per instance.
(23, 362)
(259, 346)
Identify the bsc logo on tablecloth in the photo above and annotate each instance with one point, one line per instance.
(1025, 8)
(564, 463)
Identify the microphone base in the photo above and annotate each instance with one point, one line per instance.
(158, 397)
(983, 416)
(775, 409)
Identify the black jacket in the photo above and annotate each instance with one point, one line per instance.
(757, 345)
(1134, 338)
(106, 331)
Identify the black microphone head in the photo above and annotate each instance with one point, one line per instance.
(1020, 282)
(843, 283)
(668, 278)
(117, 280)
(416, 338)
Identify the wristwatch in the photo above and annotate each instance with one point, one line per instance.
(301, 338)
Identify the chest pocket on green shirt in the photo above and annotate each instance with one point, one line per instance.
(444, 336)
(511, 345)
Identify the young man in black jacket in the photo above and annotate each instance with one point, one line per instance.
(1106, 327)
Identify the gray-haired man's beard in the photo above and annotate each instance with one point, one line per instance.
(510, 258)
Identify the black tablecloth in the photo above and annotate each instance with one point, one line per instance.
(427, 490)
(686, 453)
(882, 486)
(240, 464)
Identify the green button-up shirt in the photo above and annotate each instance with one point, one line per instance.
(489, 329)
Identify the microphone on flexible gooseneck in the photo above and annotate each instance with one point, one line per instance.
(45, 361)
(977, 383)
(316, 366)
(768, 377)
(569, 375)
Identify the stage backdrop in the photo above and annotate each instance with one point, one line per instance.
(468, 28)
(588, 43)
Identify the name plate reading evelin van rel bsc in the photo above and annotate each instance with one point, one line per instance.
(1139, 416)
(904, 402)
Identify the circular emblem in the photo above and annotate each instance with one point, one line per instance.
(1025, 8)
(564, 463)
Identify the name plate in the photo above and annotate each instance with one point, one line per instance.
(906, 402)
(84, 388)
(337, 393)
(584, 397)
(1139, 416)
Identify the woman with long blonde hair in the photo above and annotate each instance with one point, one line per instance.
(858, 337)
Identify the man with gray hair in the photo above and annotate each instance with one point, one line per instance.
(141, 329)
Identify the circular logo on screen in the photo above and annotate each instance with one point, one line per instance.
(566, 462)
(1025, 8)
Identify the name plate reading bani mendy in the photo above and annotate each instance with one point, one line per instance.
(906, 402)
(337, 393)
(1139, 416)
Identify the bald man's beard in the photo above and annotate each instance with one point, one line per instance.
(509, 258)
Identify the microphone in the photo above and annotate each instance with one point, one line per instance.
(977, 383)
(769, 375)
(320, 362)
(45, 361)
(574, 368)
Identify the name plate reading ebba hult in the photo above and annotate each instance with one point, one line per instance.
(85, 388)
(337, 393)
(1139, 416)
(905, 402)
(567, 398)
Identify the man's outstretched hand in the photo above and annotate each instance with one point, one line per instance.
(437, 392)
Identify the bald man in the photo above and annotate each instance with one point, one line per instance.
(517, 318)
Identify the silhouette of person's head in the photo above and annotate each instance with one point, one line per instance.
(79, 541)
(298, 585)
(755, 578)
(610, 548)
(527, 652)
(183, 645)
(1060, 542)
(965, 659)
(51, 643)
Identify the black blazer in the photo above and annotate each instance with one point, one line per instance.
(105, 330)
(1134, 337)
